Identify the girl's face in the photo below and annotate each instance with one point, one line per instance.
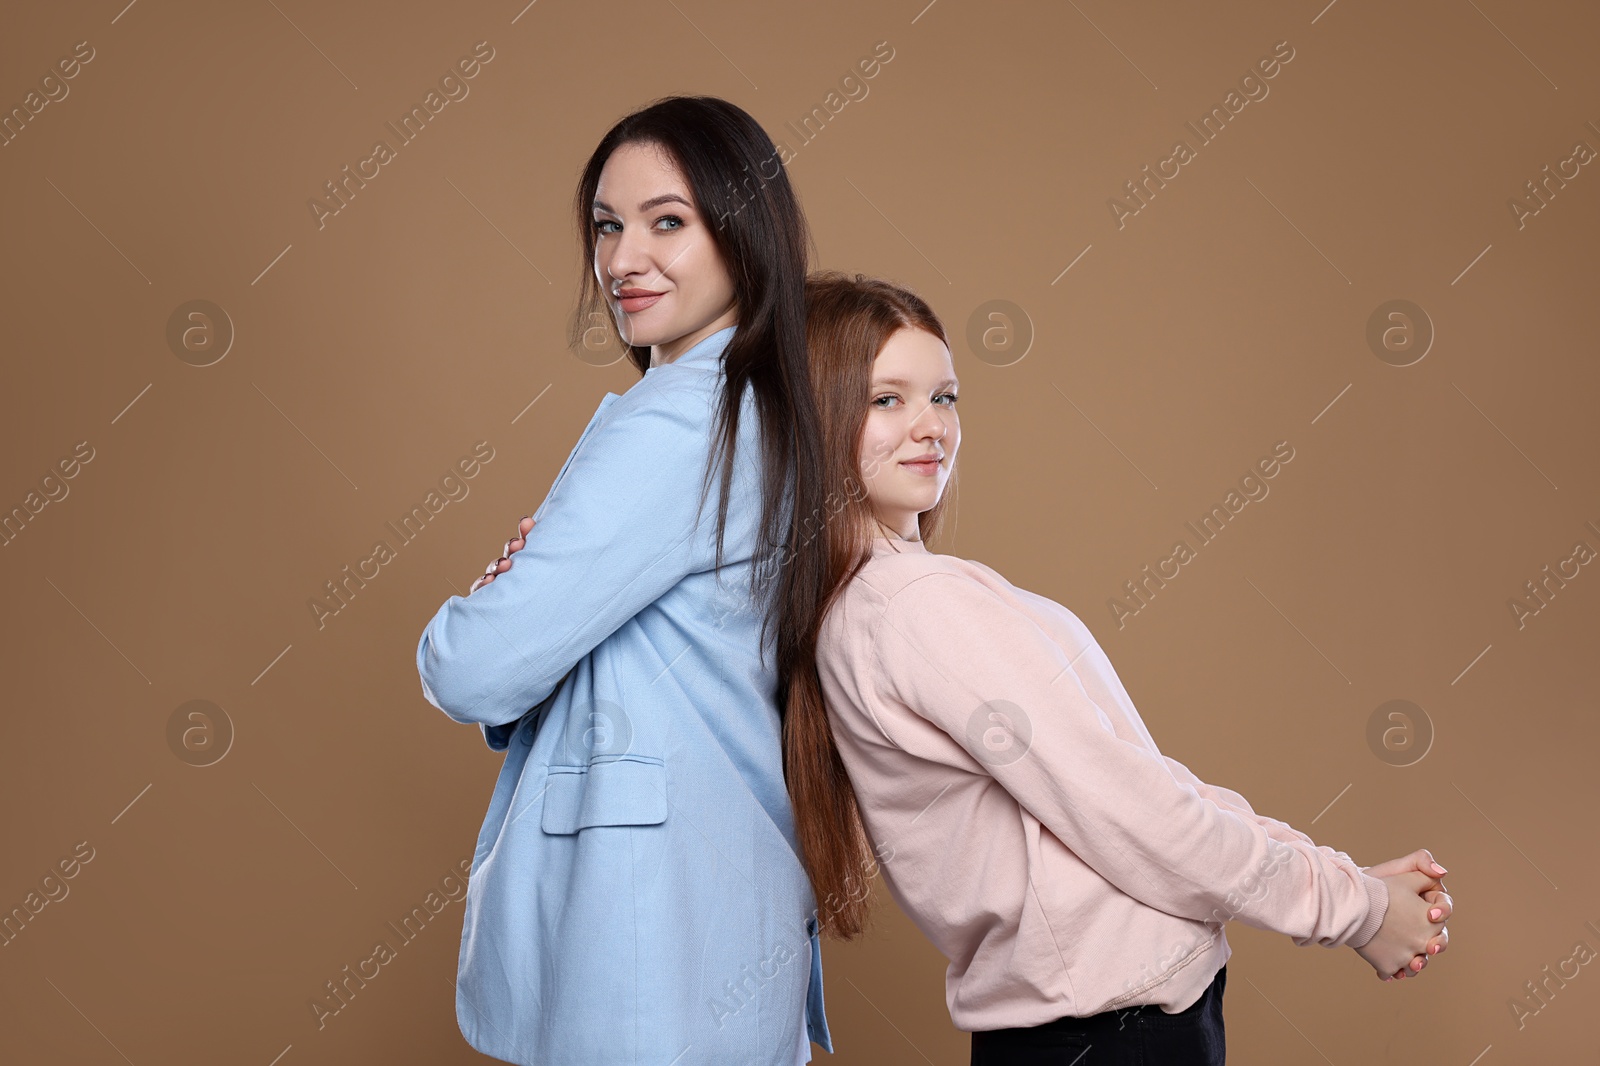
(908, 446)
(654, 256)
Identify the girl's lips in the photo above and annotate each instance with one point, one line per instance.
(633, 304)
(925, 467)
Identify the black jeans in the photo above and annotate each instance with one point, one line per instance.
(1135, 1036)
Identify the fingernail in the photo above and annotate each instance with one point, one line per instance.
(1433, 915)
(1439, 869)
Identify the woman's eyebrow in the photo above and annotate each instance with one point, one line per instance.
(654, 201)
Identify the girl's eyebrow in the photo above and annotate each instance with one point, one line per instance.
(654, 201)
(906, 384)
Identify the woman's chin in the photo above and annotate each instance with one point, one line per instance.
(642, 335)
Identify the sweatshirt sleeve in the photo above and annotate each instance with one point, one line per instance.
(615, 533)
(1226, 797)
(1281, 832)
(953, 652)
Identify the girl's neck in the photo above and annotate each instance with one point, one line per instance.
(887, 532)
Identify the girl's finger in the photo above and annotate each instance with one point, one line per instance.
(1411, 969)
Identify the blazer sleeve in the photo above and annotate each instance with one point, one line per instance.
(953, 652)
(617, 531)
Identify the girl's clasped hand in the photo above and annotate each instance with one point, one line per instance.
(1413, 928)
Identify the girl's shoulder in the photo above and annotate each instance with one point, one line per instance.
(890, 573)
(900, 591)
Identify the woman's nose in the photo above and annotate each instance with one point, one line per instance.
(628, 256)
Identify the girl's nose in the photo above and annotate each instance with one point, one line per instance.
(929, 423)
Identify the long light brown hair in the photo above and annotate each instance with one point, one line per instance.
(848, 320)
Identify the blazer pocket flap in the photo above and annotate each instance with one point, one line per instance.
(619, 790)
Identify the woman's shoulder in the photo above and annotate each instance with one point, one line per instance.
(667, 422)
(682, 395)
(677, 407)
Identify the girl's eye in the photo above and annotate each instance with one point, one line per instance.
(600, 225)
(677, 222)
(952, 396)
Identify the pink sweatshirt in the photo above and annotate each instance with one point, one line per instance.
(1025, 819)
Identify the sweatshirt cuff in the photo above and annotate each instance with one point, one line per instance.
(1377, 907)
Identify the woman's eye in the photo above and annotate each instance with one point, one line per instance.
(952, 397)
(600, 225)
(677, 222)
(878, 401)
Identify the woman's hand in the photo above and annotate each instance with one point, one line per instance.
(1399, 948)
(1441, 904)
(502, 564)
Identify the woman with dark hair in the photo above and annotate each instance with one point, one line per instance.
(636, 894)
(1077, 879)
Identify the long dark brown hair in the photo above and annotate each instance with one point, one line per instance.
(740, 187)
(848, 320)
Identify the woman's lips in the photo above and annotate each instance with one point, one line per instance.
(633, 304)
(925, 467)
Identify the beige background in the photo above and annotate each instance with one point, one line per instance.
(367, 356)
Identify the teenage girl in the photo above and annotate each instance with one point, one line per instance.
(636, 894)
(1077, 879)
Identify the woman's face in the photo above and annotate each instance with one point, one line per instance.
(664, 279)
(911, 414)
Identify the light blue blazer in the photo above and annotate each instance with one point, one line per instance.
(636, 895)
